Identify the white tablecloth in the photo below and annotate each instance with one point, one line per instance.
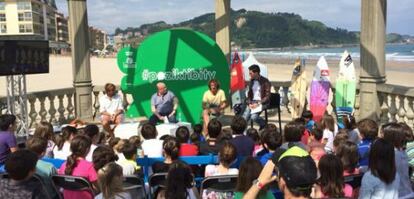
(169, 129)
(126, 130)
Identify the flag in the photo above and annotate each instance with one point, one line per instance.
(236, 74)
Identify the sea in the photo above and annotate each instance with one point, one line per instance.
(394, 52)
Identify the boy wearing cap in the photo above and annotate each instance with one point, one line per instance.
(296, 174)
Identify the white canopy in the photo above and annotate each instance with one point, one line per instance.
(250, 61)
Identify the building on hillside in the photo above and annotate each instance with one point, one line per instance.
(98, 39)
(61, 45)
(32, 20)
(121, 41)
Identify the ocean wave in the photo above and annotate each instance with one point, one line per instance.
(329, 55)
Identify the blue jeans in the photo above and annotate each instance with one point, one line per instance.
(255, 117)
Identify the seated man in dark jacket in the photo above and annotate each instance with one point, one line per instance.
(257, 96)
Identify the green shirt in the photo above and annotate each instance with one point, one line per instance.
(45, 170)
(268, 195)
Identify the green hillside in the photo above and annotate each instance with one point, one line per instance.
(253, 29)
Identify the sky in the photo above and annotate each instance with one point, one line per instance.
(110, 14)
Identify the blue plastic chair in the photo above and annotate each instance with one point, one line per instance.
(57, 163)
(147, 162)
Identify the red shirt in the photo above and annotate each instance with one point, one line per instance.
(305, 137)
(188, 150)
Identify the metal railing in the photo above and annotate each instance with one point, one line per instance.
(57, 106)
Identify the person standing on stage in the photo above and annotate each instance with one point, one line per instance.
(163, 105)
(111, 108)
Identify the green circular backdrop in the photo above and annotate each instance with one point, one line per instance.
(184, 59)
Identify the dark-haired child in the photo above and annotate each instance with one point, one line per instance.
(21, 166)
(76, 165)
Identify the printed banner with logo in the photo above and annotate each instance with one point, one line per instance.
(184, 60)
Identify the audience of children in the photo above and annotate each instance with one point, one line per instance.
(249, 171)
(368, 130)
(381, 180)
(308, 116)
(63, 140)
(8, 142)
(151, 146)
(227, 156)
(254, 135)
(179, 184)
(186, 149)
(293, 135)
(45, 130)
(171, 149)
(20, 167)
(102, 156)
(330, 183)
(136, 141)
(347, 152)
(271, 140)
(329, 132)
(330, 153)
(76, 165)
(110, 181)
(129, 162)
(244, 144)
(44, 169)
(350, 124)
(92, 131)
(212, 145)
(393, 133)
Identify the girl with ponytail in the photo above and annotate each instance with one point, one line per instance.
(62, 148)
(76, 165)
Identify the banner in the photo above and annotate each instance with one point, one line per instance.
(237, 79)
(184, 60)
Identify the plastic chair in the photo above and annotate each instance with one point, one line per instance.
(134, 183)
(156, 180)
(354, 180)
(57, 163)
(73, 183)
(273, 104)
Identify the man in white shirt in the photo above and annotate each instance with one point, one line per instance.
(258, 96)
(111, 108)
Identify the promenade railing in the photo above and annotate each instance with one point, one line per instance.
(58, 106)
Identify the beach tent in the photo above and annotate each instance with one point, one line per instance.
(250, 61)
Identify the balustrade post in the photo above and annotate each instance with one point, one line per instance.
(393, 108)
(32, 113)
(401, 109)
(42, 111)
(384, 109)
(96, 104)
(410, 112)
(70, 107)
(61, 109)
(52, 109)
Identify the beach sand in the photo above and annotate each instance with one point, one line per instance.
(105, 70)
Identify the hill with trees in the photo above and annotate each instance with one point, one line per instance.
(253, 29)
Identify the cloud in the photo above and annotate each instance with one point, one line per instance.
(110, 14)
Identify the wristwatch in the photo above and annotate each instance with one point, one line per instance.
(258, 184)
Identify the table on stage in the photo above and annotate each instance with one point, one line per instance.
(126, 130)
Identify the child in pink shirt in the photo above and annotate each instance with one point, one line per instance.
(331, 182)
(76, 165)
